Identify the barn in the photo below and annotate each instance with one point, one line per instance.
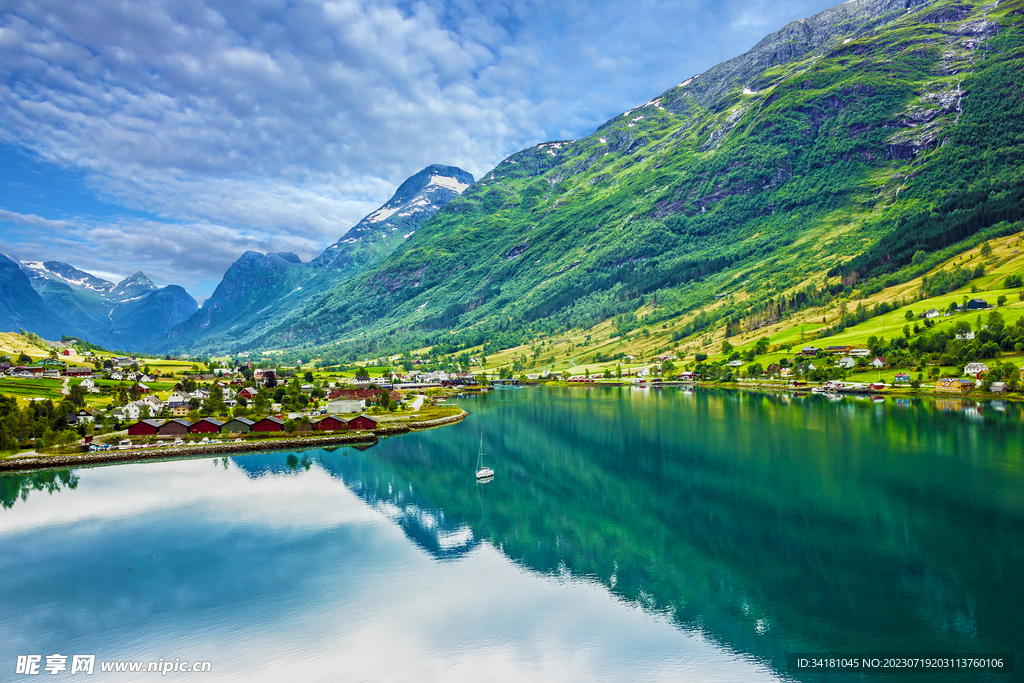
(144, 428)
(207, 425)
(362, 422)
(268, 424)
(331, 424)
(175, 427)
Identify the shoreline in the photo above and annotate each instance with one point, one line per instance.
(46, 462)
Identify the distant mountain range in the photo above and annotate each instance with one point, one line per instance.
(54, 299)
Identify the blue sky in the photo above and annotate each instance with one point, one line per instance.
(170, 136)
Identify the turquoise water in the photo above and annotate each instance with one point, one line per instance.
(628, 535)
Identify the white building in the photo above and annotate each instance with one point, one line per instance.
(975, 368)
(346, 406)
(847, 362)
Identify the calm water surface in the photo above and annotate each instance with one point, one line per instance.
(629, 535)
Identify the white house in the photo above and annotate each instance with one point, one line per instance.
(178, 397)
(847, 362)
(998, 387)
(878, 362)
(931, 313)
(975, 368)
(860, 353)
(346, 406)
(116, 375)
(735, 363)
(962, 336)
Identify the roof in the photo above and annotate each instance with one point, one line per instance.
(271, 418)
(372, 419)
(151, 423)
(243, 420)
(212, 421)
(179, 421)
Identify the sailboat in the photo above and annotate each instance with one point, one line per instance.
(483, 473)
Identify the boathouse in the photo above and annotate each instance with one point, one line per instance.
(144, 428)
(331, 424)
(239, 425)
(268, 424)
(362, 422)
(175, 427)
(207, 425)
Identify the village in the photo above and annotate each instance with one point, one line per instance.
(80, 397)
(106, 402)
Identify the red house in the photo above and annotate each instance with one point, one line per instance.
(269, 424)
(144, 428)
(362, 422)
(331, 424)
(248, 393)
(207, 425)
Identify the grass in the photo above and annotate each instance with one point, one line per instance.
(31, 388)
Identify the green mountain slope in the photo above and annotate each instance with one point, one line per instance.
(840, 146)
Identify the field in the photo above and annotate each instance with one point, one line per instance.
(31, 388)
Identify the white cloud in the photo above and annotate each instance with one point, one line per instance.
(278, 120)
(33, 220)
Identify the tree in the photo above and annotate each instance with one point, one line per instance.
(214, 404)
(76, 395)
(1000, 300)
(986, 250)
(726, 347)
(24, 358)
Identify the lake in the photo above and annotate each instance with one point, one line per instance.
(628, 535)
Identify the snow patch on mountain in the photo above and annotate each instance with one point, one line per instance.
(448, 183)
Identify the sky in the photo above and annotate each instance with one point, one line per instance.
(170, 136)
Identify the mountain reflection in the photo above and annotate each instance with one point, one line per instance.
(771, 524)
(768, 523)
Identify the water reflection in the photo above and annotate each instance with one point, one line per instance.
(764, 524)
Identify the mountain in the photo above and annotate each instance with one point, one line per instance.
(258, 289)
(380, 233)
(21, 307)
(845, 151)
(39, 271)
(127, 315)
(132, 287)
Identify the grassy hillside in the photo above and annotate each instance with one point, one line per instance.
(841, 157)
